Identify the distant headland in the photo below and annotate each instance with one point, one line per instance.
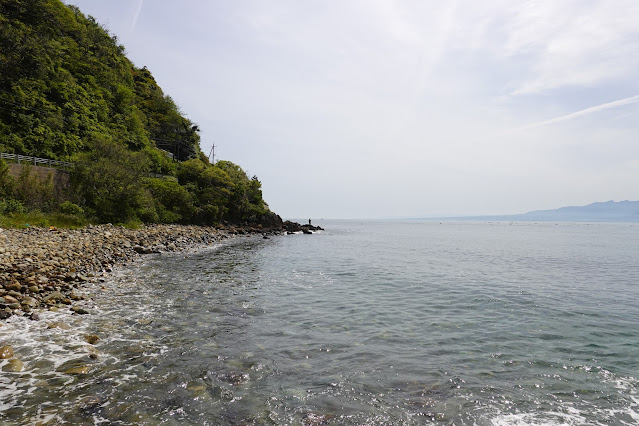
(608, 211)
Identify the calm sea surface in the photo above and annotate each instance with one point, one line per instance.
(365, 323)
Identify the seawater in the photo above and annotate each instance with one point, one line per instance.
(365, 323)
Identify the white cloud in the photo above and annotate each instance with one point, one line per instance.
(573, 43)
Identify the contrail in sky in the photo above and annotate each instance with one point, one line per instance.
(136, 15)
(586, 111)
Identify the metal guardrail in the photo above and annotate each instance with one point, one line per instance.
(36, 161)
(24, 159)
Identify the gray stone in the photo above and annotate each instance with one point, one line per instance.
(29, 301)
(56, 295)
(79, 310)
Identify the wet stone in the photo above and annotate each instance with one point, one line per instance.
(29, 301)
(78, 310)
(59, 324)
(91, 339)
(56, 295)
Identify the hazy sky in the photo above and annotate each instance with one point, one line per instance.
(392, 108)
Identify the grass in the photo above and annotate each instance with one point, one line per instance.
(42, 220)
(59, 220)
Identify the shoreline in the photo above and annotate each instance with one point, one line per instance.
(40, 268)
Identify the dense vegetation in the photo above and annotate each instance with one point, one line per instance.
(68, 92)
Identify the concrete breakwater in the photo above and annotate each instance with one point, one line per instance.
(41, 268)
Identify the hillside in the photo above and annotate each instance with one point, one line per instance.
(68, 92)
(65, 82)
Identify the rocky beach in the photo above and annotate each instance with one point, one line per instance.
(41, 267)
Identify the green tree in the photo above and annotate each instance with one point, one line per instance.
(173, 202)
(211, 188)
(110, 186)
(245, 202)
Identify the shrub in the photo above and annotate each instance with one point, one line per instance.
(6, 181)
(71, 209)
(11, 205)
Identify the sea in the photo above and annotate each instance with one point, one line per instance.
(365, 323)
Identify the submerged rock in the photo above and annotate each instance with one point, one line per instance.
(78, 371)
(59, 324)
(91, 339)
(78, 310)
(6, 352)
(13, 366)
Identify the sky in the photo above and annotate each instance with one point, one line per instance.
(402, 108)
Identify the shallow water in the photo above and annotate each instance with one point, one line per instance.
(365, 323)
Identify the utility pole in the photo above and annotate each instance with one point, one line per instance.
(212, 153)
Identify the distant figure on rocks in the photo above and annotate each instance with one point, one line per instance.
(309, 222)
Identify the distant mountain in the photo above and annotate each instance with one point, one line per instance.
(608, 211)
